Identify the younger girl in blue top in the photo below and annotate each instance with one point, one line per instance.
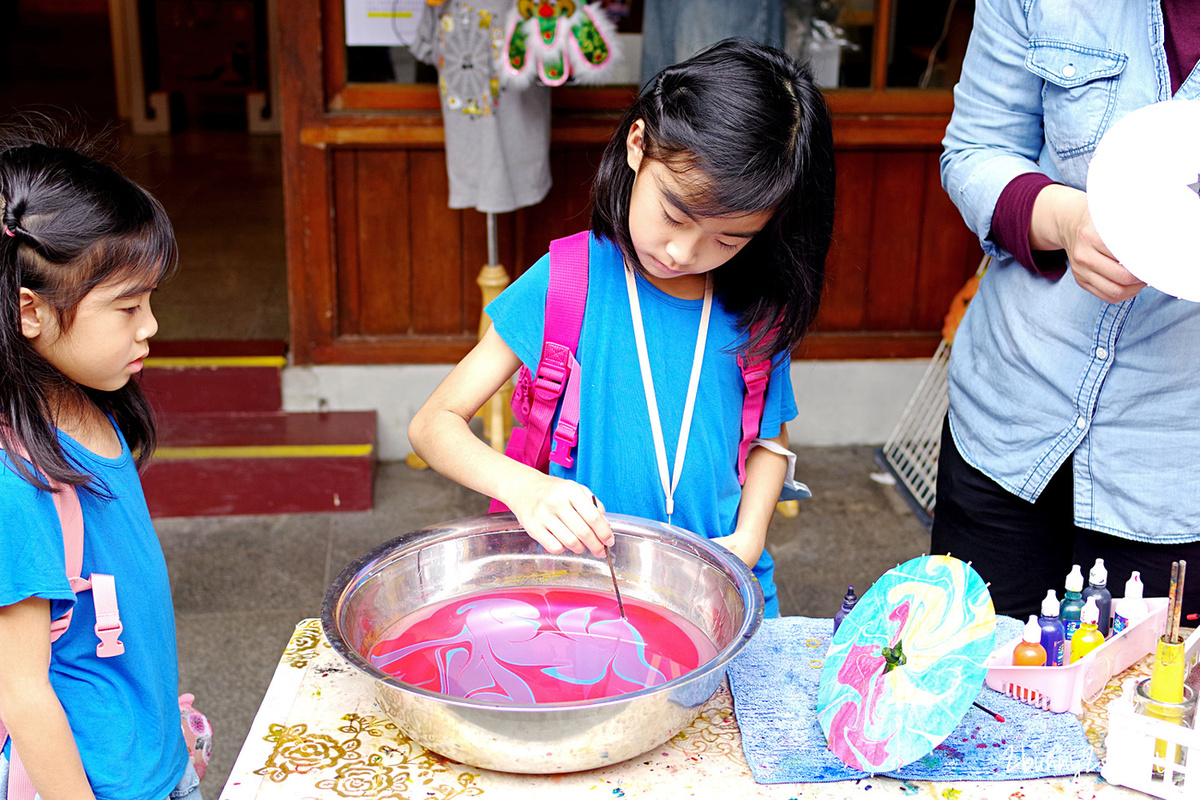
(713, 208)
(81, 250)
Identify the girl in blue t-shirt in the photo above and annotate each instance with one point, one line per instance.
(81, 250)
(712, 214)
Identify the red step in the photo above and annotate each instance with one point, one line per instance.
(218, 464)
(226, 448)
(212, 376)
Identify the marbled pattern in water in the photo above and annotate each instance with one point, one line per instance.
(540, 645)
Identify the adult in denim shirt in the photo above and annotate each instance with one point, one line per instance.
(1074, 424)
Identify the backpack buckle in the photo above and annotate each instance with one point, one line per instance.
(110, 645)
(108, 620)
(565, 438)
(552, 372)
(754, 374)
(548, 384)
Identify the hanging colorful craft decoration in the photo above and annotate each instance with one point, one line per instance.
(555, 41)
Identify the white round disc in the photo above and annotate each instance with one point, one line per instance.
(1143, 192)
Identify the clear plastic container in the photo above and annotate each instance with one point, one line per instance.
(1065, 688)
(1148, 754)
(1177, 713)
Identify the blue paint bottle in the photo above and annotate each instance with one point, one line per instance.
(1097, 588)
(1054, 636)
(847, 605)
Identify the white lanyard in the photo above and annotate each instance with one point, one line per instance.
(685, 425)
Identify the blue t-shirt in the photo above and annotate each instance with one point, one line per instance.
(615, 456)
(124, 710)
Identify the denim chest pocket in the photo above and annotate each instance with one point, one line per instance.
(1079, 91)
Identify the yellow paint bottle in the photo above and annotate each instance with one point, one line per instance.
(1088, 637)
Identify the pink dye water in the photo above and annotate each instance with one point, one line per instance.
(540, 645)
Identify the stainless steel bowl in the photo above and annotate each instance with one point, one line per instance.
(654, 562)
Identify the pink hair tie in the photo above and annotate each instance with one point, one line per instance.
(7, 232)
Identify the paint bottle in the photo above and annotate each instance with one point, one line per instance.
(1097, 588)
(847, 605)
(1072, 603)
(1029, 651)
(1088, 637)
(1054, 638)
(1132, 608)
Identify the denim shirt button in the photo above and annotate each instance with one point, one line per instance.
(1068, 71)
(1101, 353)
(1080, 423)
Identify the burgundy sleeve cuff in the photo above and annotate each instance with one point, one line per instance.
(1010, 225)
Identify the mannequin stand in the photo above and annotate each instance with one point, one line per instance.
(492, 278)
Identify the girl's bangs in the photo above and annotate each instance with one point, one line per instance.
(142, 260)
(732, 195)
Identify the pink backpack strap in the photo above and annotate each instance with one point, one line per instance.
(557, 370)
(564, 320)
(70, 515)
(20, 787)
(756, 374)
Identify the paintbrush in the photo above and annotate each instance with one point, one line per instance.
(611, 571)
(1177, 611)
(988, 711)
(1166, 674)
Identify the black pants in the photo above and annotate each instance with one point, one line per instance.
(1023, 549)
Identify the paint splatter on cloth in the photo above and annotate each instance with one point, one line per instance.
(774, 682)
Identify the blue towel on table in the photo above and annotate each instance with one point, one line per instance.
(774, 683)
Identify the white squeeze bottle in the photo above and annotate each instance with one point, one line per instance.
(1131, 608)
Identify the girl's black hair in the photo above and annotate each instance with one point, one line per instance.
(70, 224)
(749, 119)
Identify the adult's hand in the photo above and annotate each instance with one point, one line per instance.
(1094, 267)
(1061, 221)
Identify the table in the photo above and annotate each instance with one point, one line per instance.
(319, 734)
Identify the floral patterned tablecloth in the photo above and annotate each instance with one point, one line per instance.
(319, 734)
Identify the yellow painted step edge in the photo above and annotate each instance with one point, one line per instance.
(265, 451)
(217, 361)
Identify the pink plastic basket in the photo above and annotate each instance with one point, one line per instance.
(1065, 688)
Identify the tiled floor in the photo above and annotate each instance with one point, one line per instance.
(223, 190)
